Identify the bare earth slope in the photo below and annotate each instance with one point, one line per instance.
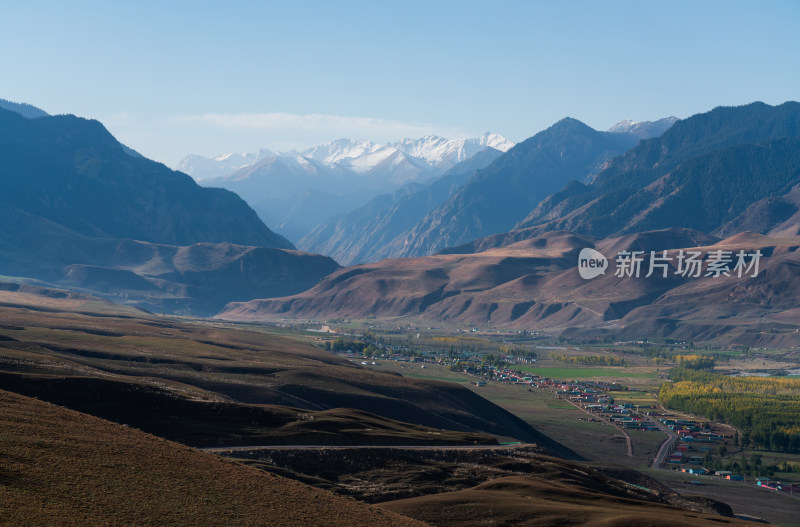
(542, 500)
(207, 384)
(535, 283)
(61, 467)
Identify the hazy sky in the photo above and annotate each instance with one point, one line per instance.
(170, 78)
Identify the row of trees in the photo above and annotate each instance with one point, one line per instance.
(695, 362)
(595, 360)
(766, 409)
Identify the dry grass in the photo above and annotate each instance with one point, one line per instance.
(59, 467)
(70, 350)
(533, 501)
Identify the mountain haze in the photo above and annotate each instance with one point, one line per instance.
(71, 171)
(373, 231)
(497, 197)
(79, 210)
(297, 191)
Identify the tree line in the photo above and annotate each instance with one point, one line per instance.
(767, 410)
(604, 360)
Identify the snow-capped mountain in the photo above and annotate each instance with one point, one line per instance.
(404, 161)
(445, 153)
(643, 129)
(294, 191)
(201, 168)
(281, 176)
(340, 150)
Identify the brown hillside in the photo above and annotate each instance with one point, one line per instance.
(207, 384)
(548, 500)
(534, 283)
(60, 467)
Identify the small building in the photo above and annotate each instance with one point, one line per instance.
(698, 470)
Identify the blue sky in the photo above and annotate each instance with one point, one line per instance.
(173, 78)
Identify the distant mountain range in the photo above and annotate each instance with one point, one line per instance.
(361, 156)
(643, 129)
(701, 186)
(710, 172)
(24, 109)
(308, 196)
(79, 209)
(370, 232)
(490, 237)
(487, 195)
(296, 191)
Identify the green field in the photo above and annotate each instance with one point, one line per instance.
(554, 417)
(587, 373)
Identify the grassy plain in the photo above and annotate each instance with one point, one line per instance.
(556, 418)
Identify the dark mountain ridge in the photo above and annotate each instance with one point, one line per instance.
(73, 172)
(701, 173)
(26, 110)
(81, 210)
(497, 197)
(375, 230)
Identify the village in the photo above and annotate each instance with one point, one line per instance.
(689, 445)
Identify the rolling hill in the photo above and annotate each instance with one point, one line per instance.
(545, 499)
(80, 210)
(68, 468)
(535, 282)
(209, 384)
(61, 467)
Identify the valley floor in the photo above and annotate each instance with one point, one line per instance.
(420, 442)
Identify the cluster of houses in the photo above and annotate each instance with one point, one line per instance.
(694, 441)
(592, 397)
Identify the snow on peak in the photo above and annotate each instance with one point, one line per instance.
(643, 129)
(430, 154)
(201, 168)
(496, 141)
(341, 149)
(444, 153)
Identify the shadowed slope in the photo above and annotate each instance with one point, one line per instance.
(60, 467)
(219, 385)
